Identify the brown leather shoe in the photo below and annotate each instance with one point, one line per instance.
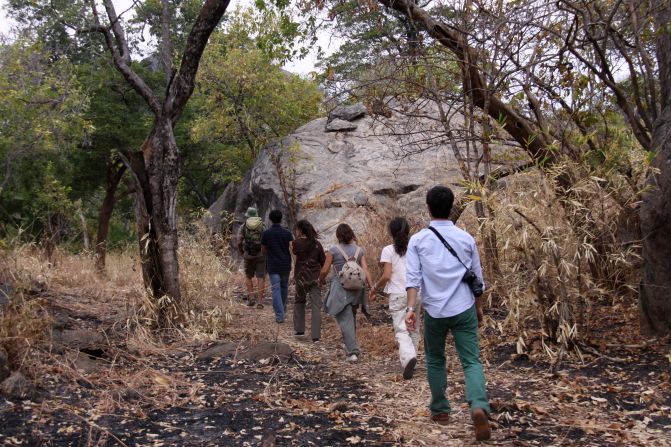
(441, 418)
(481, 425)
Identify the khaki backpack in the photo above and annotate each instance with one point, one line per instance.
(351, 276)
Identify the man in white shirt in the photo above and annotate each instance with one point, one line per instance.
(449, 305)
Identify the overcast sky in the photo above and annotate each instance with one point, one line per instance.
(304, 66)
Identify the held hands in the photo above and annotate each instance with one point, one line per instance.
(372, 294)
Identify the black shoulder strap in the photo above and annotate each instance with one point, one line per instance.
(448, 246)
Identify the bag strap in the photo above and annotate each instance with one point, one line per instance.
(356, 254)
(342, 252)
(448, 246)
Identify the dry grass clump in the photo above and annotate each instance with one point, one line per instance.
(207, 275)
(23, 320)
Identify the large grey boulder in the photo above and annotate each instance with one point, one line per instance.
(382, 168)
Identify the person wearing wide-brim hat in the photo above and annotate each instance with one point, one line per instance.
(249, 247)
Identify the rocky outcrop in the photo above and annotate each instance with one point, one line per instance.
(384, 166)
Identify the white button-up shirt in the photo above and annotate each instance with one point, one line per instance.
(434, 270)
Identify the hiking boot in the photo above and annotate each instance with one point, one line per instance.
(409, 369)
(250, 303)
(299, 334)
(481, 425)
(352, 358)
(259, 306)
(315, 340)
(441, 418)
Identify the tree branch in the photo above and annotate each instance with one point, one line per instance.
(520, 128)
(181, 88)
(121, 57)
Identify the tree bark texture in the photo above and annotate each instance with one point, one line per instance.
(655, 297)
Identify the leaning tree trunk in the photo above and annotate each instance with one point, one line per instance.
(655, 299)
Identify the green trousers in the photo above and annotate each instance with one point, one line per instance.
(464, 329)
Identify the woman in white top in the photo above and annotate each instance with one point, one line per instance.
(392, 259)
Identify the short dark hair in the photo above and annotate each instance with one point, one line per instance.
(275, 216)
(345, 234)
(439, 199)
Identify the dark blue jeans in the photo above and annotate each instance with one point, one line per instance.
(279, 287)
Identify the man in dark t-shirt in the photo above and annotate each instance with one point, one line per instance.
(275, 245)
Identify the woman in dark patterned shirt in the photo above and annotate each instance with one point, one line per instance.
(310, 257)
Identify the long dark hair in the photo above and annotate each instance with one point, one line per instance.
(345, 234)
(308, 231)
(400, 232)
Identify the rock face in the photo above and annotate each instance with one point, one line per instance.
(382, 167)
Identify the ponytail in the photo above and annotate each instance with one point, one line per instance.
(400, 232)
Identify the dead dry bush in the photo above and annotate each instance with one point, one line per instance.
(23, 318)
(561, 258)
(207, 275)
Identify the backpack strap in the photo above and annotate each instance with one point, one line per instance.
(342, 252)
(356, 254)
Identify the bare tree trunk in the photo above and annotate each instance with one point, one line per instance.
(655, 298)
(115, 171)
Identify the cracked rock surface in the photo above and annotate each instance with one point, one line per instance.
(384, 166)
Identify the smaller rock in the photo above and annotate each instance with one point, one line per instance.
(335, 147)
(4, 364)
(268, 350)
(268, 440)
(220, 350)
(86, 364)
(348, 113)
(17, 386)
(340, 405)
(361, 198)
(338, 125)
(60, 322)
(79, 338)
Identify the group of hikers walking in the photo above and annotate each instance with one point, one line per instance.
(441, 261)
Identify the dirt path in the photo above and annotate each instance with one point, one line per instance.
(126, 393)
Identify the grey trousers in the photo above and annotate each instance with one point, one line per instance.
(347, 321)
(312, 292)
